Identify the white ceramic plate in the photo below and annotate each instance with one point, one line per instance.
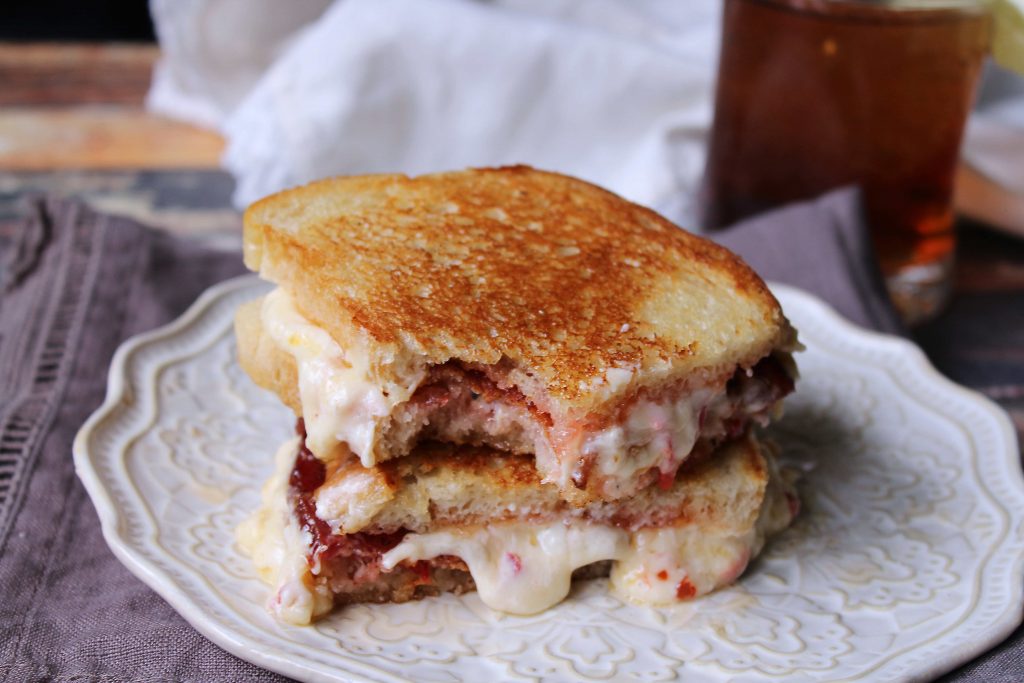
(906, 560)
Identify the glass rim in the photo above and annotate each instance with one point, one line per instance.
(900, 5)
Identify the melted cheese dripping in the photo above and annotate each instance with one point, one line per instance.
(675, 563)
(519, 568)
(277, 546)
(341, 401)
(524, 567)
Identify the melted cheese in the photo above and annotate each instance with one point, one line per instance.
(668, 564)
(355, 495)
(520, 568)
(524, 568)
(341, 400)
(660, 434)
(277, 546)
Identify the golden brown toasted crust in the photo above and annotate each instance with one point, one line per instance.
(442, 485)
(565, 279)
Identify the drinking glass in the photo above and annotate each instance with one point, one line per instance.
(816, 94)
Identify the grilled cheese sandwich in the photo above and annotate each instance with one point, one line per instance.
(506, 380)
(458, 518)
(450, 307)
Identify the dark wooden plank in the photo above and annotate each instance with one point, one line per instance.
(48, 74)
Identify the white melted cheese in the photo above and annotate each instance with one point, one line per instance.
(277, 546)
(525, 568)
(518, 567)
(654, 434)
(341, 401)
(668, 564)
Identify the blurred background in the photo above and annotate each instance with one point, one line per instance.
(277, 94)
(94, 20)
(179, 113)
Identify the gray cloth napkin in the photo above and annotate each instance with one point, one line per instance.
(75, 285)
(822, 247)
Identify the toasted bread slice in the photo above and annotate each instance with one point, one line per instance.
(451, 519)
(603, 333)
(467, 410)
(442, 485)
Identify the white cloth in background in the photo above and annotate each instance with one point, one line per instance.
(614, 91)
(214, 52)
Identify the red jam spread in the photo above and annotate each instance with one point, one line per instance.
(308, 474)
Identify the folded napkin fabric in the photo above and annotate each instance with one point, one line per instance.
(75, 286)
(820, 246)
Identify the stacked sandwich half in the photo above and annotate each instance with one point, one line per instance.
(505, 380)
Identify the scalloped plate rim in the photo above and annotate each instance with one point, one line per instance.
(240, 645)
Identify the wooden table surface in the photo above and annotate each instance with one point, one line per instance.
(81, 107)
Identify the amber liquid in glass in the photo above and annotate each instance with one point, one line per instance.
(813, 95)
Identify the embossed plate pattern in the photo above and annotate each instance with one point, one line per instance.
(906, 560)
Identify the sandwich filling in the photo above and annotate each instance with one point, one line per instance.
(518, 564)
(341, 401)
(645, 440)
(509, 379)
